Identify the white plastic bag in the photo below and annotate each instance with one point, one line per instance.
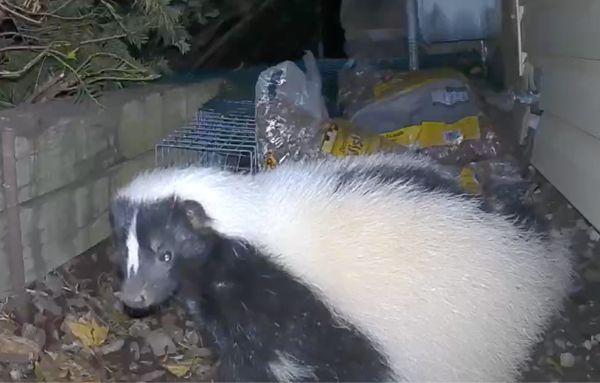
(290, 112)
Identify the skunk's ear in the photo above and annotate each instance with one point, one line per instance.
(195, 215)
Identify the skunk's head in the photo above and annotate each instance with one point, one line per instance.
(155, 242)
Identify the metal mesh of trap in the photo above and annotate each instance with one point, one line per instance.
(222, 135)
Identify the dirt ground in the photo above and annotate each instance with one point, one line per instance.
(85, 335)
(79, 332)
(570, 349)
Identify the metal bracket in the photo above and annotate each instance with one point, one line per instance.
(522, 56)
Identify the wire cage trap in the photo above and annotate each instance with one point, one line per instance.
(223, 135)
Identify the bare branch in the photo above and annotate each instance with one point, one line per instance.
(7, 74)
(118, 70)
(25, 48)
(48, 48)
(107, 54)
(102, 39)
(114, 14)
(39, 92)
(17, 14)
(39, 74)
(62, 6)
(115, 78)
(48, 14)
(83, 87)
(77, 50)
(18, 34)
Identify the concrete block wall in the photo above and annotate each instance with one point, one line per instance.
(71, 157)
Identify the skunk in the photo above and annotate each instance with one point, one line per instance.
(366, 268)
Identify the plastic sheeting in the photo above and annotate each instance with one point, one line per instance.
(378, 28)
(290, 113)
(455, 20)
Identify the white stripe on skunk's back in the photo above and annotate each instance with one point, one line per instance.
(448, 292)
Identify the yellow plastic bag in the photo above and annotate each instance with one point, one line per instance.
(342, 139)
(406, 81)
(430, 134)
(468, 181)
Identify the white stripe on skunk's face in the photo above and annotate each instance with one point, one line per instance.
(133, 247)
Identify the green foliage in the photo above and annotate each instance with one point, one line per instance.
(57, 48)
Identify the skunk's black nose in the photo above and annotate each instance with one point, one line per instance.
(137, 305)
(135, 312)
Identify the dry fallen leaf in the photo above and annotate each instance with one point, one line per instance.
(116, 316)
(160, 342)
(61, 367)
(114, 346)
(7, 325)
(150, 376)
(47, 368)
(45, 303)
(16, 349)
(89, 332)
(180, 369)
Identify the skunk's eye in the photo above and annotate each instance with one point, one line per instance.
(166, 256)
